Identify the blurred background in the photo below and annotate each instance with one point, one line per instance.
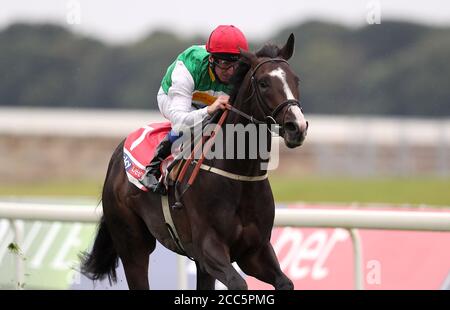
(77, 76)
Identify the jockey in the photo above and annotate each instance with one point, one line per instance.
(194, 87)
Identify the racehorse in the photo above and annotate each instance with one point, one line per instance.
(225, 217)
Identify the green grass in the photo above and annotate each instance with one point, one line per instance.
(432, 191)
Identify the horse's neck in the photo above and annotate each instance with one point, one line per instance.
(247, 166)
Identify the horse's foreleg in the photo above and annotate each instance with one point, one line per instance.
(216, 262)
(264, 266)
(204, 280)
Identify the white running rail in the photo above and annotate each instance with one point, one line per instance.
(352, 220)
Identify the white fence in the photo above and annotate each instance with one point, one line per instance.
(118, 123)
(351, 220)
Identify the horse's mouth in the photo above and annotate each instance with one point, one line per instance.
(294, 138)
(294, 143)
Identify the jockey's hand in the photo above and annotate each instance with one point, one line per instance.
(220, 103)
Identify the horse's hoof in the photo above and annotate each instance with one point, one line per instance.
(177, 206)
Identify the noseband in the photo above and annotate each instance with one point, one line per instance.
(269, 119)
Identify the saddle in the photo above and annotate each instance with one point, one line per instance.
(140, 146)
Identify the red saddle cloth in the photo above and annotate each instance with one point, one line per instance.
(139, 149)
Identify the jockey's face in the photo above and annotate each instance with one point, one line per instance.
(224, 69)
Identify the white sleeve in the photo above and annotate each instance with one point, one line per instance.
(179, 107)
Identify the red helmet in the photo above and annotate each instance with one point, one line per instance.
(226, 39)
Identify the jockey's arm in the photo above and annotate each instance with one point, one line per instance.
(179, 109)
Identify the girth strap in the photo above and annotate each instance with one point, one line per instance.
(233, 176)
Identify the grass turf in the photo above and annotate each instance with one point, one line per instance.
(431, 191)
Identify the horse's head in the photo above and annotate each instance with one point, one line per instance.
(275, 90)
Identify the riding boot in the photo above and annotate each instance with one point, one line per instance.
(153, 170)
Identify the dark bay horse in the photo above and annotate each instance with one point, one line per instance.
(223, 219)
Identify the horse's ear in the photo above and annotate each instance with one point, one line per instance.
(249, 58)
(287, 51)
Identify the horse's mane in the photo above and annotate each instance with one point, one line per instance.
(268, 50)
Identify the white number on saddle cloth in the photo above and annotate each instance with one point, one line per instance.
(141, 137)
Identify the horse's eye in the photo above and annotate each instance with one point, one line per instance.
(263, 84)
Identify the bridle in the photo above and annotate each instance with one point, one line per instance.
(269, 119)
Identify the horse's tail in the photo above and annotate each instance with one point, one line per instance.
(103, 258)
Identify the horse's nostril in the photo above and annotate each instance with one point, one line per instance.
(290, 127)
